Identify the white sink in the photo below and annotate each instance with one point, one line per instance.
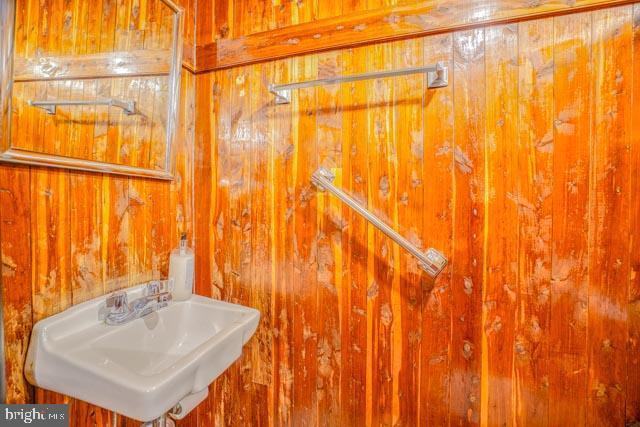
(143, 368)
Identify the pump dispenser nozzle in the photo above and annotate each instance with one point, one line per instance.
(183, 244)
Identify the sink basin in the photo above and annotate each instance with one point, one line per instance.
(143, 368)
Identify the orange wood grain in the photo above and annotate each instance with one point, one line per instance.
(375, 22)
(438, 179)
(329, 241)
(504, 175)
(501, 286)
(355, 253)
(205, 162)
(609, 216)
(7, 13)
(467, 257)
(407, 297)
(111, 64)
(238, 245)
(535, 152)
(75, 236)
(569, 272)
(305, 234)
(633, 349)
(522, 171)
(15, 274)
(282, 263)
(383, 278)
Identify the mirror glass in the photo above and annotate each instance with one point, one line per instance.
(94, 85)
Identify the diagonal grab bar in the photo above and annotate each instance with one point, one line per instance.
(431, 261)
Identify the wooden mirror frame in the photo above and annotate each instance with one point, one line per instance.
(17, 155)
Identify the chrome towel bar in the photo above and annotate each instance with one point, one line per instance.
(437, 76)
(129, 107)
(432, 261)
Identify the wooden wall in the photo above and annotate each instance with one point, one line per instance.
(523, 171)
(70, 236)
(232, 33)
(228, 19)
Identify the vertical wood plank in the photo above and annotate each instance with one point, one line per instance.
(50, 251)
(469, 217)
(501, 287)
(85, 216)
(260, 199)
(354, 242)
(115, 231)
(633, 349)
(223, 25)
(438, 174)
(383, 277)
(238, 245)
(407, 299)
(609, 216)
(305, 241)
(222, 229)
(534, 205)
(329, 251)
(15, 274)
(569, 271)
(205, 165)
(282, 266)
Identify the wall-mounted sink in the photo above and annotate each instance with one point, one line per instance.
(143, 368)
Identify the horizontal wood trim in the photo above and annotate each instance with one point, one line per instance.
(111, 64)
(189, 57)
(39, 159)
(391, 23)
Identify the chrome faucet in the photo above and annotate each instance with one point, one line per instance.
(120, 311)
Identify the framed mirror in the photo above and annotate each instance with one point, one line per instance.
(94, 87)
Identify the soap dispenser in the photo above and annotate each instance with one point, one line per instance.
(181, 266)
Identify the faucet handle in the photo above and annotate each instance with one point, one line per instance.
(117, 301)
(152, 288)
(163, 299)
(156, 287)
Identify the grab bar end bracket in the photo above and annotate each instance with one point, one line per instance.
(320, 175)
(131, 108)
(439, 77)
(49, 108)
(283, 96)
(436, 262)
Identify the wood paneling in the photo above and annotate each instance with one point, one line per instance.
(237, 33)
(112, 64)
(70, 236)
(522, 170)
(633, 349)
(609, 215)
(572, 82)
(468, 260)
